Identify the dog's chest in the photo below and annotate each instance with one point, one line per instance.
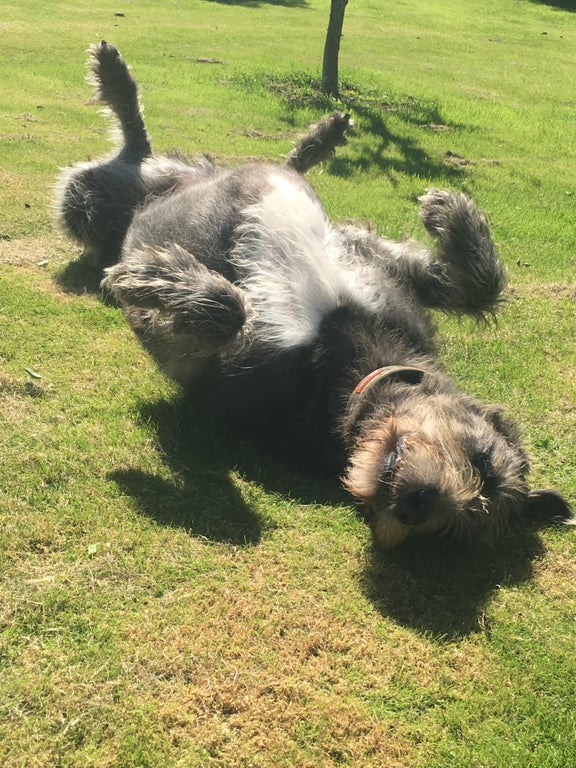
(293, 264)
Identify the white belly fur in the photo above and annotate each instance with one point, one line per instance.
(294, 265)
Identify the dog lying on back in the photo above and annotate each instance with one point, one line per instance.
(316, 335)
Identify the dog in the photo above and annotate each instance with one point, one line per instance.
(315, 336)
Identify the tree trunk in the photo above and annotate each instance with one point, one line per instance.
(332, 47)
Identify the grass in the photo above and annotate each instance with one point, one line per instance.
(169, 596)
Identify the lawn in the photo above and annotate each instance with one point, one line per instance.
(168, 595)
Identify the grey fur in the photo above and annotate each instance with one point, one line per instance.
(246, 294)
(320, 142)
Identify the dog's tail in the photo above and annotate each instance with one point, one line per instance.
(115, 88)
(320, 142)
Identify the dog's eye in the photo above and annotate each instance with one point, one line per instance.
(391, 459)
(388, 466)
(483, 464)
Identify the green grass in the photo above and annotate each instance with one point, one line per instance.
(169, 596)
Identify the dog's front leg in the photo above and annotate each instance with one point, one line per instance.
(467, 276)
(197, 301)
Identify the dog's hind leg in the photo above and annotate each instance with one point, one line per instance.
(320, 142)
(95, 201)
(183, 312)
(466, 275)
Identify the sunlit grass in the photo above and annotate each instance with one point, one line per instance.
(168, 595)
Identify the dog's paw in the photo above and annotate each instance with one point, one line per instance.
(436, 208)
(215, 316)
(320, 142)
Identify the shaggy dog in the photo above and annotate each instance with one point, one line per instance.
(316, 335)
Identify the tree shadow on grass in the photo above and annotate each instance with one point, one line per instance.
(390, 152)
(440, 588)
(561, 5)
(375, 145)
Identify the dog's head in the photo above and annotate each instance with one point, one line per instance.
(443, 464)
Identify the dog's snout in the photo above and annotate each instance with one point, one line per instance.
(415, 507)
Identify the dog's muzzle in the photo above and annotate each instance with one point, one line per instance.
(416, 506)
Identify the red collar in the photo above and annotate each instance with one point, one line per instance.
(406, 373)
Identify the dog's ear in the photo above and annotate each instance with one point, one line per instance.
(496, 416)
(545, 504)
(361, 478)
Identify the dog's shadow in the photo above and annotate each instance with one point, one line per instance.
(209, 467)
(81, 275)
(434, 587)
(442, 588)
(197, 492)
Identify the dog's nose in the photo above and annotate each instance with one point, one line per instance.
(415, 507)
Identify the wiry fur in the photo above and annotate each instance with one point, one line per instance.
(246, 294)
(320, 142)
